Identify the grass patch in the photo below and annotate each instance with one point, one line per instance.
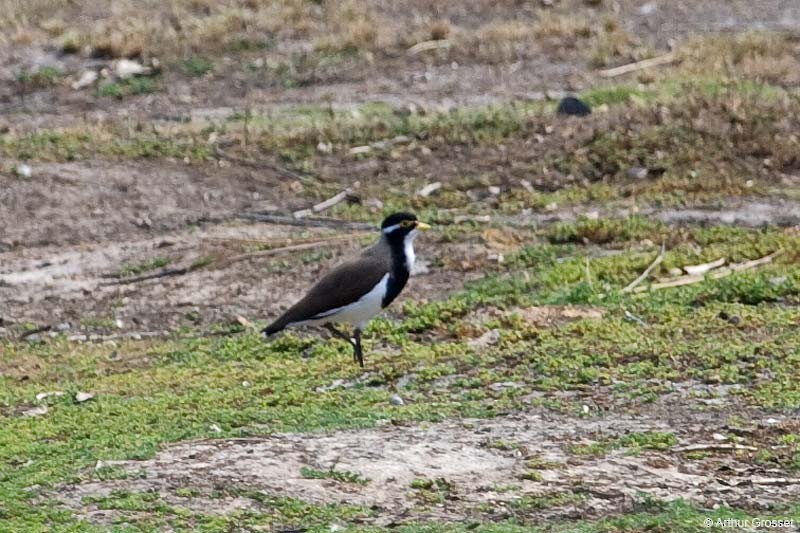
(134, 269)
(132, 86)
(198, 66)
(345, 476)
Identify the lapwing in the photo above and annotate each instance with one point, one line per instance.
(356, 291)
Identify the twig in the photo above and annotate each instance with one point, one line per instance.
(714, 447)
(714, 274)
(657, 261)
(704, 267)
(638, 65)
(426, 46)
(40, 329)
(260, 165)
(290, 248)
(429, 189)
(165, 273)
(327, 204)
(305, 222)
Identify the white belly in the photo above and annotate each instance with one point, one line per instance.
(357, 313)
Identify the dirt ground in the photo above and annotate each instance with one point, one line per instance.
(392, 457)
(67, 237)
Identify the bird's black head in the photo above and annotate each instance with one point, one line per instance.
(399, 225)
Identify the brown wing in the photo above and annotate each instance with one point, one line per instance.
(343, 285)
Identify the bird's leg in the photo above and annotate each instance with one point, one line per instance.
(336, 333)
(358, 355)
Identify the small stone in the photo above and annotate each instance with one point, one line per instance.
(23, 171)
(39, 410)
(638, 173)
(87, 78)
(373, 203)
(396, 400)
(719, 437)
(125, 68)
(571, 106)
(585, 409)
(215, 428)
(648, 8)
(81, 397)
(487, 339)
(494, 190)
(551, 206)
(777, 280)
(119, 323)
(324, 148)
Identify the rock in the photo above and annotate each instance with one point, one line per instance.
(494, 190)
(373, 203)
(324, 148)
(396, 400)
(648, 8)
(39, 410)
(637, 173)
(23, 171)
(81, 397)
(125, 68)
(87, 78)
(571, 106)
(487, 339)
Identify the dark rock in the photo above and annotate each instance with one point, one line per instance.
(572, 106)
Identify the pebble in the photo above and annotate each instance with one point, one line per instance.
(638, 173)
(23, 171)
(81, 397)
(396, 400)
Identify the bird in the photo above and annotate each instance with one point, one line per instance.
(356, 291)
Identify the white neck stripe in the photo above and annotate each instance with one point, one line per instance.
(389, 229)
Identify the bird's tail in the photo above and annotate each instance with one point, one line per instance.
(273, 328)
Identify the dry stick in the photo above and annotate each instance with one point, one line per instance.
(290, 248)
(714, 274)
(638, 65)
(327, 204)
(165, 273)
(260, 164)
(289, 242)
(306, 221)
(632, 285)
(426, 46)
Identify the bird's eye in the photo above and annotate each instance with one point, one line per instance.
(405, 224)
